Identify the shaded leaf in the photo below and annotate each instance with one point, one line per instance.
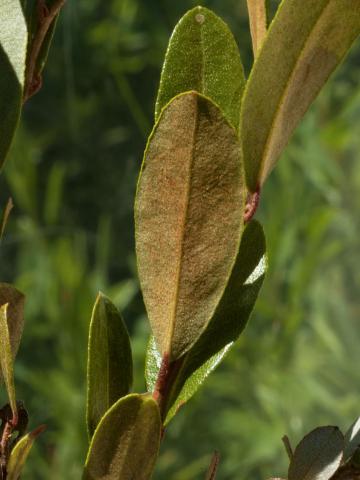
(258, 22)
(188, 218)
(202, 55)
(15, 313)
(20, 453)
(5, 216)
(306, 41)
(110, 369)
(6, 360)
(13, 44)
(352, 440)
(318, 455)
(126, 442)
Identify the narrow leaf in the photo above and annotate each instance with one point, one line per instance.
(318, 455)
(20, 453)
(202, 55)
(258, 22)
(306, 41)
(6, 360)
(13, 44)
(126, 442)
(15, 313)
(352, 440)
(188, 218)
(110, 370)
(8, 207)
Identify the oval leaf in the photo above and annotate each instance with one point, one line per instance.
(109, 370)
(13, 45)
(318, 455)
(126, 442)
(202, 55)
(6, 359)
(188, 218)
(306, 41)
(352, 440)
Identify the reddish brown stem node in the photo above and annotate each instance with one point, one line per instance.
(166, 377)
(252, 204)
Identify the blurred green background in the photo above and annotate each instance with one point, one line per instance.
(72, 174)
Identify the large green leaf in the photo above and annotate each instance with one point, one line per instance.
(318, 455)
(110, 370)
(6, 359)
(13, 44)
(188, 218)
(15, 313)
(306, 41)
(202, 55)
(228, 322)
(126, 442)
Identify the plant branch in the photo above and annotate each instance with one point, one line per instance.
(258, 21)
(211, 474)
(166, 377)
(252, 204)
(287, 445)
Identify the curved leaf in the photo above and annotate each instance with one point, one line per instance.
(13, 45)
(188, 219)
(6, 360)
(318, 455)
(15, 314)
(202, 55)
(126, 442)
(352, 440)
(306, 41)
(110, 370)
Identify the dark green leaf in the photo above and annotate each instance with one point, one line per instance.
(110, 369)
(188, 217)
(318, 455)
(13, 44)
(352, 440)
(126, 442)
(202, 55)
(306, 41)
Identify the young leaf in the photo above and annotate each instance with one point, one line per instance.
(202, 55)
(258, 22)
(318, 455)
(126, 442)
(228, 322)
(6, 360)
(110, 369)
(306, 41)
(20, 453)
(352, 440)
(15, 314)
(188, 218)
(13, 44)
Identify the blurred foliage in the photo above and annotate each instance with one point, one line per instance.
(72, 174)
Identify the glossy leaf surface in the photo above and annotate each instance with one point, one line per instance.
(20, 453)
(318, 455)
(13, 44)
(110, 370)
(306, 41)
(188, 218)
(352, 440)
(202, 55)
(126, 442)
(6, 359)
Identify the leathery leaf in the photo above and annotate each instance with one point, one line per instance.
(203, 55)
(306, 41)
(126, 442)
(188, 218)
(110, 369)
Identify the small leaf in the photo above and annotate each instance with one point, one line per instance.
(15, 313)
(13, 44)
(5, 216)
(126, 442)
(305, 42)
(202, 55)
(258, 22)
(20, 453)
(6, 360)
(318, 455)
(352, 440)
(110, 370)
(188, 218)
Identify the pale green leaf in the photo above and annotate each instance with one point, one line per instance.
(305, 42)
(188, 217)
(202, 55)
(110, 370)
(6, 360)
(126, 442)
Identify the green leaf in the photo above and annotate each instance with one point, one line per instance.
(13, 44)
(110, 370)
(258, 22)
(306, 41)
(126, 442)
(352, 440)
(227, 324)
(5, 217)
(20, 453)
(318, 455)
(6, 360)
(202, 55)
(188, 218)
